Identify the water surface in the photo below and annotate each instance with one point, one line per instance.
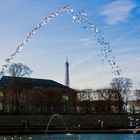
(74, 137)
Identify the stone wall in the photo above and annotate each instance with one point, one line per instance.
(71, 120)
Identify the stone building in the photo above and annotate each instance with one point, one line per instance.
(41, 96)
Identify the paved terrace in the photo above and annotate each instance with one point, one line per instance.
(37, 130)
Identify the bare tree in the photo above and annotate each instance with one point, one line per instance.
(53, 100)
(137, 102)
(18, 88)
(85, 98)
(107, 98)
(137, 94)
(17, 84)
(85, 94)
(19, 70)
(122, 85)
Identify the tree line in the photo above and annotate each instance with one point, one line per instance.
(113, 99)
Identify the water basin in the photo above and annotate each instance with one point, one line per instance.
(74, 137)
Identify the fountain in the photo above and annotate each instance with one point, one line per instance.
(16, 137)
(30, 137)
(59, 116)
(80, 18)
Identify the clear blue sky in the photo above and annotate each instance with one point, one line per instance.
(46, 53)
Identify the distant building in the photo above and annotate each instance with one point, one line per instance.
(29, 95)
(134, 106)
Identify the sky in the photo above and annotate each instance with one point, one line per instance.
(60, 39)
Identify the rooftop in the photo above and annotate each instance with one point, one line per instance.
(5, 80)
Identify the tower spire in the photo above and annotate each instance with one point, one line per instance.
(67, 83)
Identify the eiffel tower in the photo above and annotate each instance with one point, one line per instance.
(67, 82)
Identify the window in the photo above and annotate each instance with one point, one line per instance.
(65, 97)
(0, 106)
(1, 94)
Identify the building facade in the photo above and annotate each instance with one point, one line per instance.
(28, 95)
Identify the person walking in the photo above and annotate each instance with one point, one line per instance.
(23, 123)
(99, 124)
(27, 124)
(102, 124)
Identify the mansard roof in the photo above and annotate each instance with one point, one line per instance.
(39, 83)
